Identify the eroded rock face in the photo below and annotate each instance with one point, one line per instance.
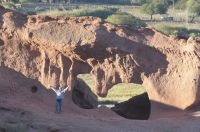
(55, 50)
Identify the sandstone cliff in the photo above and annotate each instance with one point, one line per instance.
(55, 50)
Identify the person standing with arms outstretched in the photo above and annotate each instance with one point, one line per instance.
(60, 94)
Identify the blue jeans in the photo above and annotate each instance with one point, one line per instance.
(59, 105)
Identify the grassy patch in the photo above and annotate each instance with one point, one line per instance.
(101, 12)
(126, 19)
(118, 93)
(175, 29)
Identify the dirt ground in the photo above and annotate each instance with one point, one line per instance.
(24, 111)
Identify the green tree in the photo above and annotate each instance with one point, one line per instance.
(148, 9)
(155, 7)
(193, 8)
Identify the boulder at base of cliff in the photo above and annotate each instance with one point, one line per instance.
(83, 96)
(137, 107)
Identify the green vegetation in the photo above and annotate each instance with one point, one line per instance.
(155, 7)
(8, 5)
(194, 8)
(190, 6)
(181, 4)
(126, 19)
(118, 93)
(101, 12)
(119, 2)
(123, 91)
(28, 1)
(175, 30)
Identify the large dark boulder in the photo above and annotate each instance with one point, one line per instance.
(137, 107)
(83, 96)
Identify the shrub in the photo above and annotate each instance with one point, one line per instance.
(126, 19)
(99, 12)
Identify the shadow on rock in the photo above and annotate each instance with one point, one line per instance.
(137, 107)
(83, 96)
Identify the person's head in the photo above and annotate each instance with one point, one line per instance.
(62, 84)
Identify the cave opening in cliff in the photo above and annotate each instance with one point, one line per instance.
(129, 100)
(34, 89)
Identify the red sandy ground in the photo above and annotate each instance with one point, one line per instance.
(35, 111)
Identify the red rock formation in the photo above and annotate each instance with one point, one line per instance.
(55, 50)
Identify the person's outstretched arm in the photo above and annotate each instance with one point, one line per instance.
(54, 89)
(65, 89)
